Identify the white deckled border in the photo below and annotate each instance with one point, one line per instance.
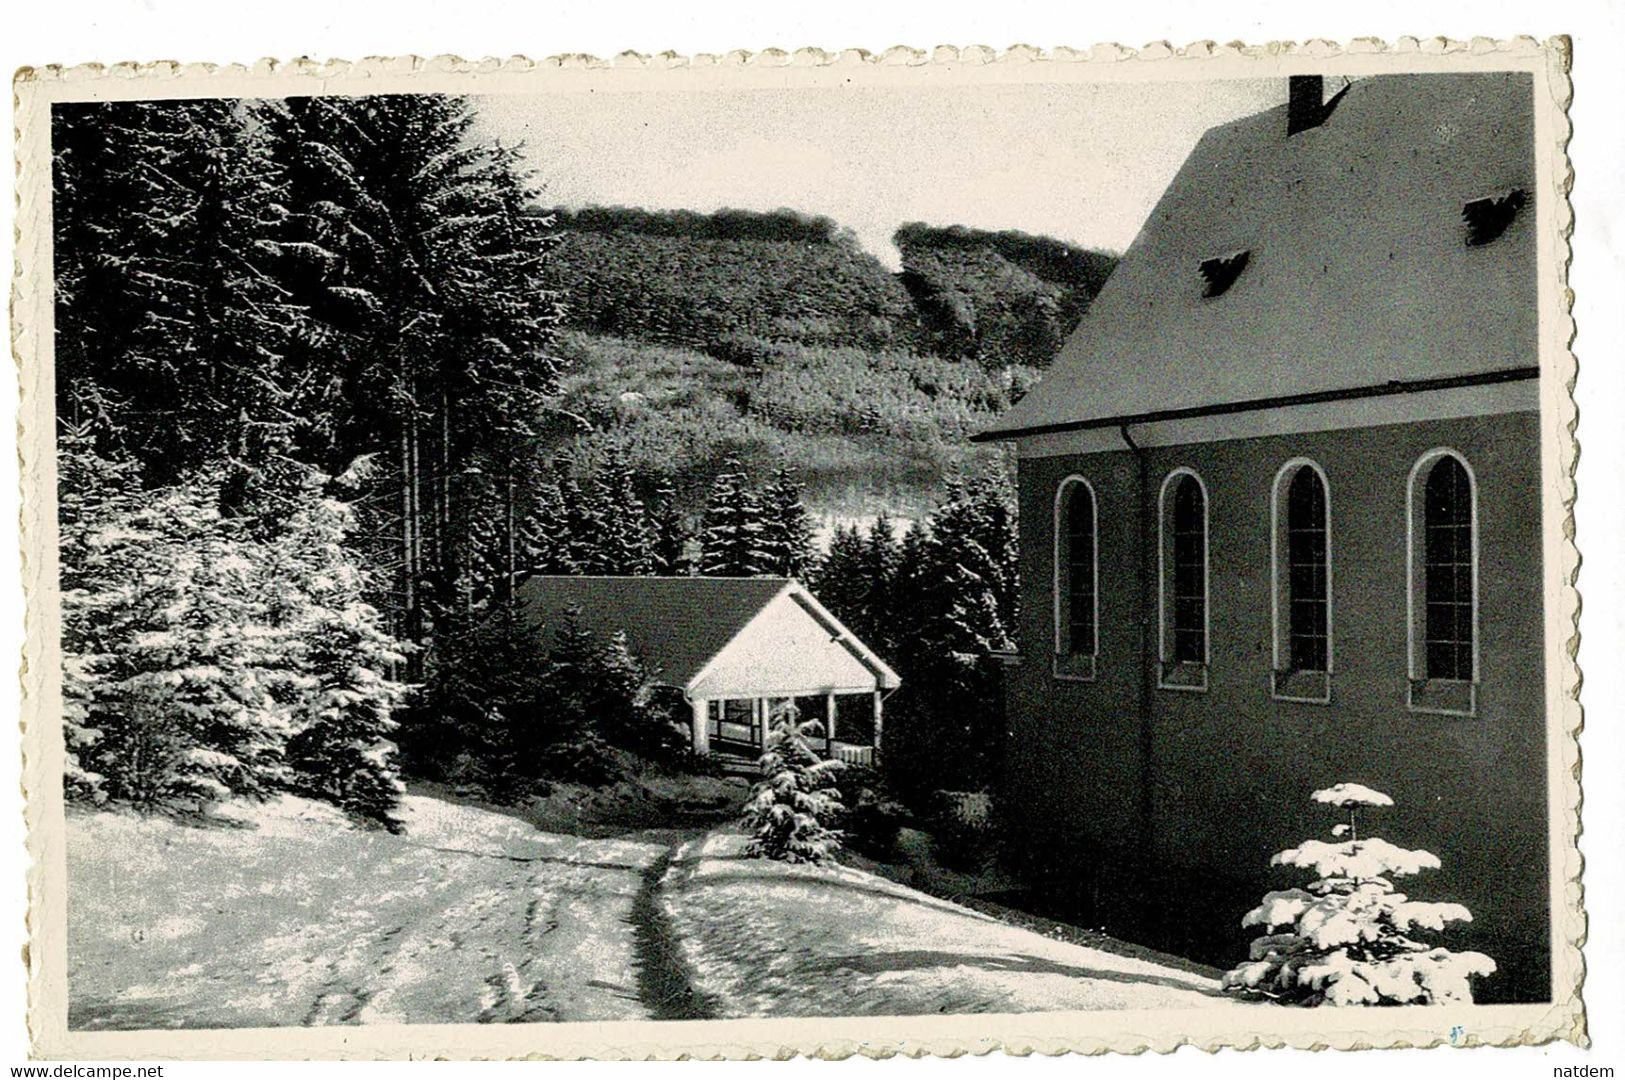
(1044, 1033)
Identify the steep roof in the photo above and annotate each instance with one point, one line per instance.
(674, 624)
(1358, 270)
(677, 625)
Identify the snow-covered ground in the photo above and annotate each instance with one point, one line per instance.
(298, 917)
(291, 915)
(770, 939)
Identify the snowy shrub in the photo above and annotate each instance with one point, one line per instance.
(1346, 938)
(792, 806)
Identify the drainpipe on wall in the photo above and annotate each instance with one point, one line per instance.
(1148, 636)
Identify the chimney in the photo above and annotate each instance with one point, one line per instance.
(1306, 103)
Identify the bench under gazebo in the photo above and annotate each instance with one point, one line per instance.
(737, 649)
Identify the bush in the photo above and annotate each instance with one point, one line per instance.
(1347, 938)
(963, 830)
(874, 819)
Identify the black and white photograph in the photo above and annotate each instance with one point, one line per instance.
(953, 541)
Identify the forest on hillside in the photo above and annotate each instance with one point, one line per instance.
(321, 408)
(775, 336)
(725, 282)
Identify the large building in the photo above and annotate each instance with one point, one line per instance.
(1281, 527)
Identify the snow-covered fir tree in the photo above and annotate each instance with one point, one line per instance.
(839, 579)
(583, 530)
(792, 808)
(96, 494)
(544, 532)
(342, 748)
(787, 529)
(731, 544)
(170, 218)
(1349, 938)
(186, 667)
(627, 539)
(670, 554)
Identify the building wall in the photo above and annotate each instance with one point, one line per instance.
(1156, 811)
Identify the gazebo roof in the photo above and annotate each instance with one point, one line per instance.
(678, 625)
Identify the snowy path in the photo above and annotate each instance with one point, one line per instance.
(297, 917)
(471, 916)
(768, 939)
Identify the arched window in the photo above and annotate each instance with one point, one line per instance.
(1443, 557)
(1183, 578)
(1302, 568)
(1077, 578)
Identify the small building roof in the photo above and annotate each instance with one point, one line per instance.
(1355, 267)
(679, 625)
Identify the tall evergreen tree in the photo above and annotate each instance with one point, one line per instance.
(627, 539)
(169, 220)
(96, 494)
(415, 251)
(839, 580)
(342, 750)
(731, 545)
(545, 541)
(670, 554)
(787, 530)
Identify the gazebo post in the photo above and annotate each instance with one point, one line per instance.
(829, 724)
(699, 737)
(879, 718)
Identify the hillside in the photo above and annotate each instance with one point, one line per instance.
(864, 430)
(776, 336)
(998, 298)
(709, 280)
(714, 281)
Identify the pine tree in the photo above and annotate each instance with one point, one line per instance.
(342, 750)
(787, 531)
(878, 567)
(169, 220)
(95, 495)
(583, 533)
(627, 540)
(839, 579)
(949, 605)
(791, 808)
(188, 668)
(1346, 939)
(544, 534)
(623, 708)
(731, 545)
(575, 666)
(670, 555)
(415, 250)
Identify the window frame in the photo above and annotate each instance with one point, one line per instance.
(1064, 663)
(1440, 697)
(1189, 676)
(1309, 688)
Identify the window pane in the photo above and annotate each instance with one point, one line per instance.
(1077, 562)
(1306, 577)
(1447, 587)
(1187, 584)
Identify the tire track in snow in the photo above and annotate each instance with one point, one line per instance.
(664, 984)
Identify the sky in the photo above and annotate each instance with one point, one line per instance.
(1084, 163)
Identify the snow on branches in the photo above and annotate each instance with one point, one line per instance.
(1345, 939)
(791, 807)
